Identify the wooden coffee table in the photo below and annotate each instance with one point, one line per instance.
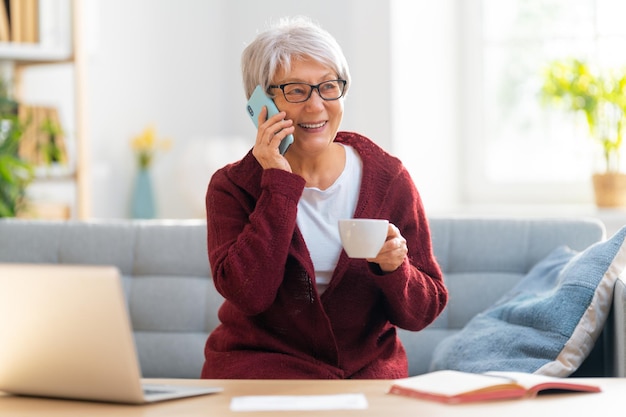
(608, 403)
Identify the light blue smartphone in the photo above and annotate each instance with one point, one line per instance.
(258, 99)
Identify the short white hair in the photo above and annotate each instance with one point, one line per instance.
(291, 38)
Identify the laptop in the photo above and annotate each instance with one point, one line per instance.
(65, 332)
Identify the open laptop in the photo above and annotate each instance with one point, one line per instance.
(65, 332)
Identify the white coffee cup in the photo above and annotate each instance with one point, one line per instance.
(363, 238)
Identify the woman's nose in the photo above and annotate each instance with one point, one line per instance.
(315, 101)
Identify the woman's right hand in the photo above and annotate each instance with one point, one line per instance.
(269, 135)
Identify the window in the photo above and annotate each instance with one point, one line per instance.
(519, 151)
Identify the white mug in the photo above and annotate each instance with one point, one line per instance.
(363, 238)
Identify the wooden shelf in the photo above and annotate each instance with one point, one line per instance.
(34, 53)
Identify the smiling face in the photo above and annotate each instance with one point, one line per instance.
(316, 120)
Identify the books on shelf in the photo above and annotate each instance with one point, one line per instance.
(5, 34)
(19, 21)
(36, 30)
(30, 21)
(455, 387)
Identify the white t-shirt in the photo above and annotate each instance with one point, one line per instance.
(319, 212)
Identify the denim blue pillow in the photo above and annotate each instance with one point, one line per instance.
(549, 322)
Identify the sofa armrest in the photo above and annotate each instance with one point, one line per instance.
(619, 328)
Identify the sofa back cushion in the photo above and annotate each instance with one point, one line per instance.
(171, 298)
(484, 257)
(549, 322)
(173, 303)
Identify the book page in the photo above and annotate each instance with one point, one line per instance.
(524, 379)
(534, 382)
(452, 383)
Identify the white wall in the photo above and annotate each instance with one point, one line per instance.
(175, 64)
(425, 116)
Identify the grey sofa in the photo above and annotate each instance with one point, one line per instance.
(173, 303)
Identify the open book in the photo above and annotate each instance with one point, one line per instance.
(458, 387)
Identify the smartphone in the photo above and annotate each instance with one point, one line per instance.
(258, 99)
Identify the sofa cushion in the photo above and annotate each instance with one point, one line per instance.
(549, 322)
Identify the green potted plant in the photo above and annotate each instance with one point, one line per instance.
(571, 84)
(15, 173)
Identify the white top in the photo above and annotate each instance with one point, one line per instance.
(319, 212)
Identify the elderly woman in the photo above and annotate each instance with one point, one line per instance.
(296, 306)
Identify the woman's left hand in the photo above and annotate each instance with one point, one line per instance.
(393, 252)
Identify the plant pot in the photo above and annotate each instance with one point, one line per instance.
(610, 189)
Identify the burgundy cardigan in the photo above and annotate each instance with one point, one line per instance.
(274, 324)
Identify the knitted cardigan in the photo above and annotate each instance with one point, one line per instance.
(274, 324)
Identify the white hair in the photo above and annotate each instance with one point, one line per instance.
(291, 38)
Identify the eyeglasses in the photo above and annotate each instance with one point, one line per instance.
(301, 92)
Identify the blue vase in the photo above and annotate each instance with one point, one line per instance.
(142, 205)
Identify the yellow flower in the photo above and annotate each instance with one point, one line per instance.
(146, 144)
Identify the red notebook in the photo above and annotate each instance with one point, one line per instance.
(459, 387)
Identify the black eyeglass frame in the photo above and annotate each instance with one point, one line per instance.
(313, 87)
